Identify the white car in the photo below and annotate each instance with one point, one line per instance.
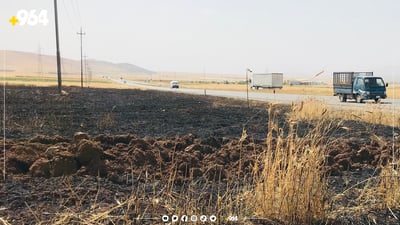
(174, 84)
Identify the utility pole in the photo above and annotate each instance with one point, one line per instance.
(58, 49)
(247, 86)
(81, 34)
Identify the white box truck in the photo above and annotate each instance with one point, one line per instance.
(174, 84)
(267, 80)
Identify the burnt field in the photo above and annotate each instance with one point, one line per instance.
(115, 156)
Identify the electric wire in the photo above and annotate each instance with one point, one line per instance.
(72, 24)
(79, 12)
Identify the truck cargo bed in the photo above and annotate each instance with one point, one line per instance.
(268, 80)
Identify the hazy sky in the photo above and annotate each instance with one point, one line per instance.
(300, 37)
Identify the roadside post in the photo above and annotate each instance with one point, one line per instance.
(247, 86)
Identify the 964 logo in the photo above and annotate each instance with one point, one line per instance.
(31, 17)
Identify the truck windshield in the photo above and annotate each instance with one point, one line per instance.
(374, 82)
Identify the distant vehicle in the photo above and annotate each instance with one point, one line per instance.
(174, 84)
(267, 80)
(359, 86)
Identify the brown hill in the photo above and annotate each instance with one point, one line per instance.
(33, 63)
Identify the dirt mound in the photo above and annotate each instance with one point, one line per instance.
(43, 139)
(184, 157)
(87, 151)
(80, 136)
(117, 156)
(354, 154)
(22, 155)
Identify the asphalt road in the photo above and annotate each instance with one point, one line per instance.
(333, 101)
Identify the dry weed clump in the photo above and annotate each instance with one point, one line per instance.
(148, 201)
(364, 201)
(389, 186)
(309, 109)
(107, 121)
(376, 114)
(314, 109)
(291, 187)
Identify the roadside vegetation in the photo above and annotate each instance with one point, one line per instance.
(313, 109)
(51, 80)
(322, 90)
(188, 81)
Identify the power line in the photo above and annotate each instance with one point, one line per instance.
(71, 22)
(79, 12)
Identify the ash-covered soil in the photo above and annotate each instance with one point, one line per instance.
(31, 111)
(90, 149)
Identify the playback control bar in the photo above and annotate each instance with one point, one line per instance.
(195, 218)
(186, 218)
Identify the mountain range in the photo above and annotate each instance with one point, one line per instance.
(33, 63)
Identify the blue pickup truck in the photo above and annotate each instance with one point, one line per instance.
(359, 86)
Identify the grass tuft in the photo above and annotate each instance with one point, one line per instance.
(291, 187)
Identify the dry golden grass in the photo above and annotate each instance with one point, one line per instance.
(379, 192)
(214, 85)
(107, 121)
(51, 80)
(313, 109)
(375, 194)
(377, 115)
(149, 200)
(389, 186)
(393, 91)
(4, 222)
(291, 187)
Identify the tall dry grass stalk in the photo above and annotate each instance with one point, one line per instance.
(291, 187)
(4, 222)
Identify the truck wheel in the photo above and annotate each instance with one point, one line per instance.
(343, 98)
(377, 100)
(359, 99)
